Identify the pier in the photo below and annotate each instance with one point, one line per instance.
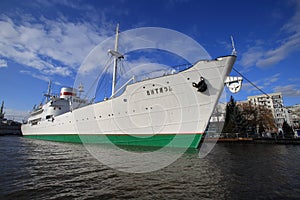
(294, 141)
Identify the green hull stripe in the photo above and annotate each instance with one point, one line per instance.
(159, 140)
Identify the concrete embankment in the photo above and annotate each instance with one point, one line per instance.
(255, 140)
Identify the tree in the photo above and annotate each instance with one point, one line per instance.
(266, 118)
(247, 119)
(234, 120)
(239, 121)
(258, 117)
(228, 124)
(250, 114)
(287, 130)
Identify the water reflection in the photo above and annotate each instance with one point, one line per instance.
(43, 170)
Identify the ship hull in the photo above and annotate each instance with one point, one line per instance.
(161, 140)
(165, 111)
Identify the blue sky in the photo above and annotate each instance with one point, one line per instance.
(42, 40)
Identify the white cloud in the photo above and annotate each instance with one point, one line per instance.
(261, 84)
(250, 57)
(52, 47)
(39, 76)
(288, 90)
(250, 89)
(262, 56)
(274, 56)
(270, 80)
(291, 90)
(3, 63)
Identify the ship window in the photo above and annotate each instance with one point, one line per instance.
(125, 100)
(188, 78)
(59, 108)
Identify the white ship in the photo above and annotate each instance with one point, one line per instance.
(171, 110)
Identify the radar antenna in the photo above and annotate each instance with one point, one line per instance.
(80, 89)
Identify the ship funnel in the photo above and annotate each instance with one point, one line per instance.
(67, 92)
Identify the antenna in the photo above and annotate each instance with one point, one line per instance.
(233, 47)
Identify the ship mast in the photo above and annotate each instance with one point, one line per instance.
(117, 56)
(1, 111)
(115, 63)
(48, 91)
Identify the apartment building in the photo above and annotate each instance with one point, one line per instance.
(294, 115)
(274, 102)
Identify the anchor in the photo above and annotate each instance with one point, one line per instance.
(202, 87)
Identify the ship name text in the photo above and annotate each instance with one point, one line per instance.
(159, 90)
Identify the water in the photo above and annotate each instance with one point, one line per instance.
(34, 169)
